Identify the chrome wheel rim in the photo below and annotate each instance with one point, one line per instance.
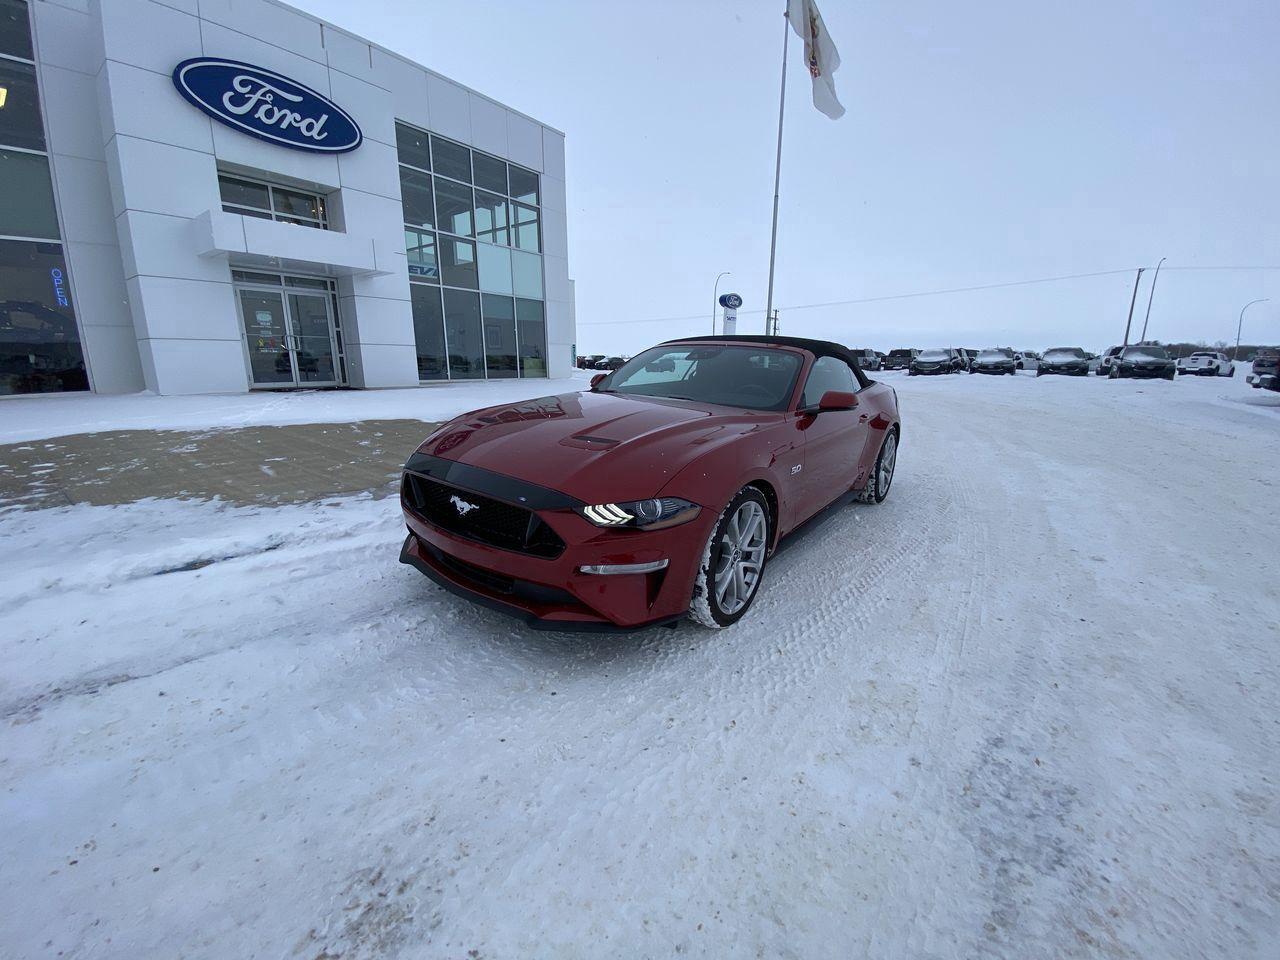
(888, 459)
(742, 547)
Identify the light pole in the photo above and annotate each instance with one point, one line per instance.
(1151, 296)
(1240, 325)
(1132, 300)
(715, 299)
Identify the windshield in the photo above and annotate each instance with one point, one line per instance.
(933, 355)
(994, 355)
(1209, 356)
(1146, 353)
(755, 378)
(1064, 353)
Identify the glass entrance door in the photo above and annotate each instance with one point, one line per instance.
(289, 336)
(312, 338)
(266, 332)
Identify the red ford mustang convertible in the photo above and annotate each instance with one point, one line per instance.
(659, 494)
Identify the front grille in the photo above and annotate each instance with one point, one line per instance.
(480, 518)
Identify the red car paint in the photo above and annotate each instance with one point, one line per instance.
(604, 447)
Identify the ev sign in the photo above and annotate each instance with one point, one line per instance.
(729, 322)
(266, 105)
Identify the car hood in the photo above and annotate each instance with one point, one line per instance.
(597, 447)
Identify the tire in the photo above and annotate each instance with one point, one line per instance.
(1168, 376)
(745, 526)
(881, 480)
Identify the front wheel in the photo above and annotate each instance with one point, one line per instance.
(881, 478)
(732, 561)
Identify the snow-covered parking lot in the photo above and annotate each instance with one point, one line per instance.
(1029, 707)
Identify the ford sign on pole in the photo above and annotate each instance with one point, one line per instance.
(729, 322)
(266, 105)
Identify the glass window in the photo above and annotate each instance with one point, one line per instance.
(524, 185)
(755, 378)
(495, 269)
(532, 324)
(421, 249)
(415, 193)
(15, 32)
(458, 262)
(526, 271)
(412, 146)
(244, 193)
(428, 332)
(491, 173)
(451, 159)
(499, 336)
(20, 124)
(526, 228)
(26, 196)
(828, 373)
(292, 205)
(453, 207)
(39, 343)
(462, 327)
(492, 218)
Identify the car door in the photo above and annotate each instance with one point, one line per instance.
(833, 439)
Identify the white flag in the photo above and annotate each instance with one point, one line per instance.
(820, 54)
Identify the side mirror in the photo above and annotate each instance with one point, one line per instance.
(595, 381)
(838, 400)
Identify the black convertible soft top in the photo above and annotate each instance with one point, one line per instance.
(819, 348)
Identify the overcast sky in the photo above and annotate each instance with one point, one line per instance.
(984, 143)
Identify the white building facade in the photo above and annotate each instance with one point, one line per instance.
(212, 196)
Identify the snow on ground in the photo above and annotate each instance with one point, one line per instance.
(38, 418)
(1026, 708)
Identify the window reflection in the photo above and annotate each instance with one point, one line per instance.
(500, 336)
(428, 332)
(465, 339)
(39, 343)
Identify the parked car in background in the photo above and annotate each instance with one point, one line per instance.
(590, 360)
(867, 359)
(937, 360)
(1026, 359)
(995, 360)
(1207, 363)
(610, 363)
(900, 359)
(967, 354)
(1109, 357)
(1072, 361)
(660, 493)
(1266, 369)
(881, 354)
(1148, 360)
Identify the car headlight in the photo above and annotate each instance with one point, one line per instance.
(654, 514)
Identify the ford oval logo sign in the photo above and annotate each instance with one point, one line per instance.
(266, 105)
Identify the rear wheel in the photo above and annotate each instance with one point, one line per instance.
(732, 561)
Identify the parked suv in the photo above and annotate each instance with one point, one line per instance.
(1067, 360)
(1109, 357)
(1145, 360)
(939, 360)
(1207, 363)
(867, 359)
(900, 359)
(995, 360)
(1266, 370)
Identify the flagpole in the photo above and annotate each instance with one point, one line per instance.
(777, 170)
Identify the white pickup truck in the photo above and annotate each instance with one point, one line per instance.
(1207, 363)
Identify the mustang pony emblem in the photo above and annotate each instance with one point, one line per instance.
(462, 506)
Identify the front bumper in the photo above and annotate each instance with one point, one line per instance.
(994, 368)
(552, 593)
(1267, 381)
(929, 371)
(1072, 368)
(1146, 372)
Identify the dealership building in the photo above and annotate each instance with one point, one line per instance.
(214, 196)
